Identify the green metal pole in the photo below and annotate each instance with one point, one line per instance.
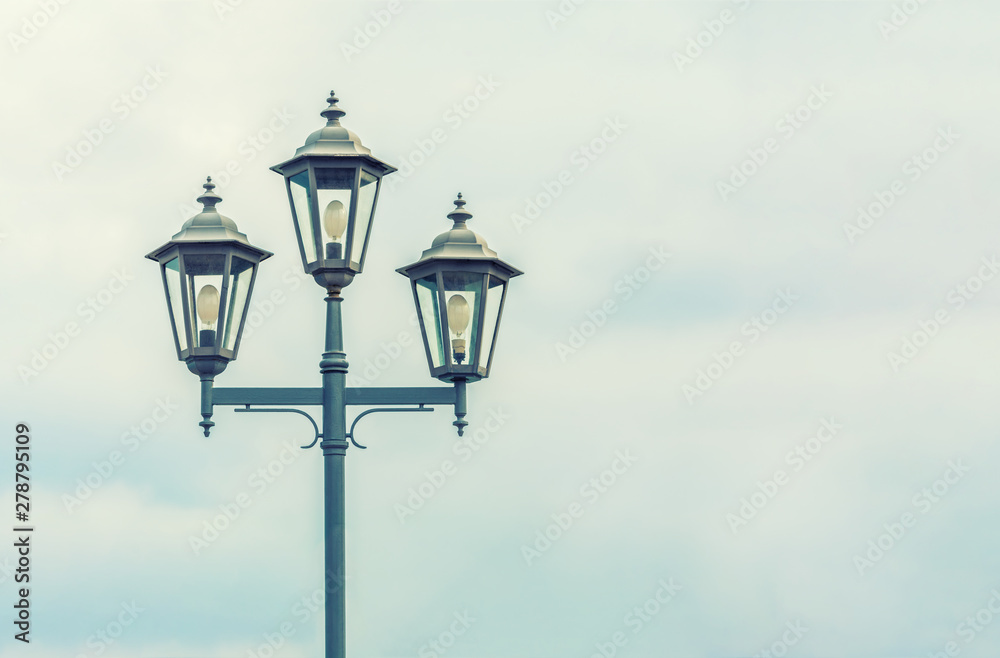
(334, 445)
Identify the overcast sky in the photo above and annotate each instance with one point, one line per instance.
(744, 398)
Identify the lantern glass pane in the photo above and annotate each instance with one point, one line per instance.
(430, 316)
(239, 288)
(366, 203)
(494, 296)
(463, 293)
(334, 188)
(172, 273)
(298, 185)
(204, 273)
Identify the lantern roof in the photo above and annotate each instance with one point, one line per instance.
(209, 226)
(460, 243)
(334, 140)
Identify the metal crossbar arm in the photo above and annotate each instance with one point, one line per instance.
(276, 396)
(359, 396)
(371, 395)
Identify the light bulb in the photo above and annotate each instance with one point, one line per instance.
(458, 314)
(335, 220)
(208, 304)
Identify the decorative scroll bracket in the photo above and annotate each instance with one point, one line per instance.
(350, 433)
(319, 435)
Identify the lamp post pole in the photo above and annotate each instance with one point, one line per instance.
(459, 286)
(334, 370)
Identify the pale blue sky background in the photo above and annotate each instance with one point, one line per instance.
(223, 76)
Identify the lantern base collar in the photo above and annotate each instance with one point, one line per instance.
(333, 280)
(207, 366)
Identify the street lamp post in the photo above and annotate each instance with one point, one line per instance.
(459, 286)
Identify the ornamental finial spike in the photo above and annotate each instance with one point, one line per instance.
(209, 198)
(333, 113)
(459, 215)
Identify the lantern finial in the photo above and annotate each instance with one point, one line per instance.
(459, 215)
(333, 113)
(209, 198)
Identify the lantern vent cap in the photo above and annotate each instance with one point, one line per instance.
(334, 140)
(460, 236)
(209, 226)
(460, 243)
